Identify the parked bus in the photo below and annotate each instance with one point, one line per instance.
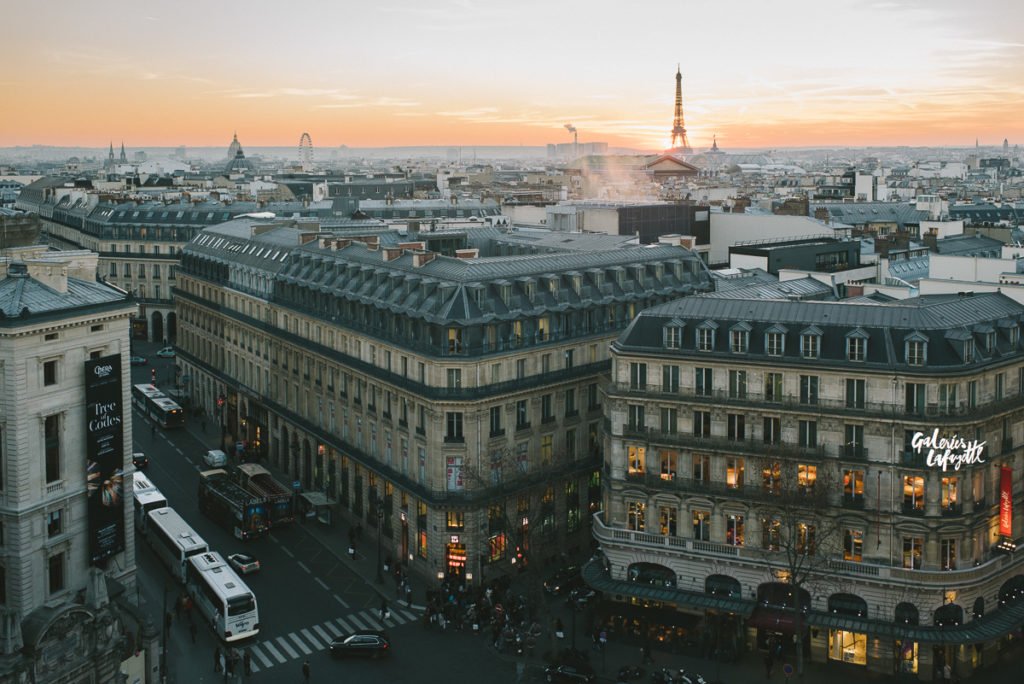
(157, 406)
(222, 597)
(146, 501)
(231, 506)
(173, 540)
(258, 481)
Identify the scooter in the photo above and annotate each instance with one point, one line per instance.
(663, 676)
(630, 672)
(685, 677)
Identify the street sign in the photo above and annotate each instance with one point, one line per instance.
(296, 485)
(787, 670)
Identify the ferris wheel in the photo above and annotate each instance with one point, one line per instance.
(306, 152)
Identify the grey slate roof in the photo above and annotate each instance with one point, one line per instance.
(886, 325)
(860, 213)
(20, 293)
(969, 245)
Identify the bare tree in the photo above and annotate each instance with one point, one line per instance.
(799, 535)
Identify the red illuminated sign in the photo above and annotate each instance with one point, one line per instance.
(1006, 501)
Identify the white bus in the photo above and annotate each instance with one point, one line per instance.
(222, 597)
(147, 498)
(173, 540)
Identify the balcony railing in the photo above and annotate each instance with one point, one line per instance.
(716, 443)
(791, 402)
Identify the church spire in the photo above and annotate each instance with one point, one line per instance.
(124, 156)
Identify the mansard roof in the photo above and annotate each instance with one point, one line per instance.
(945, 321)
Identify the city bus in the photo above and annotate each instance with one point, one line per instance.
(173, 540)
(147, 498)
(222, 597)
(233, 507)
(159, 408)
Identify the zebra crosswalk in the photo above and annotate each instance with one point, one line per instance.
(274, 651)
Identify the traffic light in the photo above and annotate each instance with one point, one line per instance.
(220, 401)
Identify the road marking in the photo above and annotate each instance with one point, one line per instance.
(290, 554)
(189, 461)
(407, 614)
(334, 630)
(340, 600)
(273, 538)
(274, 652)
(373, 622)
(303, 566)
(258, 652)
(323, 633)
(298, 642)
(356, 622)
(312, 639)
(287, 648)
(395, 617)
(321, 583)
(344, 626)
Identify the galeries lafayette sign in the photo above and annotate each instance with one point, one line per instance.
(948, 452)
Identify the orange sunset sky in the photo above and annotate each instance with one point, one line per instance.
(477, 72)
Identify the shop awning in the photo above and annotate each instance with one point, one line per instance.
(774, 620)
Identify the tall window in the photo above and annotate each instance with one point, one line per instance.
(522, 415)
(635, 460)
(667, 459)
(703, 381)
(855, 391)
(570, 403)
(805, 545)
(808, 433)
(853, 447)
(913, 493)
(913, 550)
(702, 423)
(454, 426)
(495, 420)
(915, 394)
(51, 436)
(547, 412)
(806, 476)
(670, 379)
(947, 397)
(667, 520)
(773, 344)
(635, 515)
(737, 384)
(734, 534)
(638, 376)
(673, 336)
(737, 427)
(546, 449)
(947, 554)
(772, 430)
(949, 491)
(55, 572)
(853, 543)
(809, 389)
(770, 537)
(455, 340)
(734, 473)
(636, 417)
(771, 477)
(702, 525)
(701, 468)
(853, 486)
(669, 420)
(49, 373)
(454, 378)
(773, 386)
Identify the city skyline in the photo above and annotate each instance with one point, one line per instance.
(467, 73)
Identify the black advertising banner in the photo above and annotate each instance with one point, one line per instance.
(104, 449)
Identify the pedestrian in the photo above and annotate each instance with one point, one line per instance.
(247, 664)
(305, 671)
(217, 659)
(384, 612)
(768, 663)
(947, 673)
(408, 594)
(232, 658)
(192, 630)
(645, 655)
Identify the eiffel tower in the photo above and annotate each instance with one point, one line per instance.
(680, 143)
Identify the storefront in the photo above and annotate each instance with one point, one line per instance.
(660, 625)
(455, 558)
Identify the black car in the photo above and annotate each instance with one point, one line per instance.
(569, 673)
(563, 581)
(140, 460)
(581, 596)
(366, 644)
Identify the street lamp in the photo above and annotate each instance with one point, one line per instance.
(380, 520)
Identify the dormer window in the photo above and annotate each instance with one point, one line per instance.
(673, 335)
(968, 351)
(810, 343)
(774, 343)
(739, 338)
(706, 336)
(857, 345)
(916, 349)
(989, 340)
(1014, 334)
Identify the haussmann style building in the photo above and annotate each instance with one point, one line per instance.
(445, 386)
(840, 474)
